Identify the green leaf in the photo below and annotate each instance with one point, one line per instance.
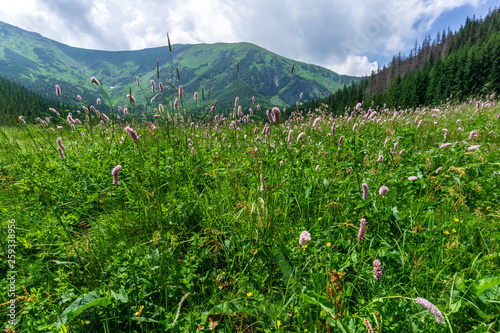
(486, 283)
(121, 296)
(81, 304)
(395, 213)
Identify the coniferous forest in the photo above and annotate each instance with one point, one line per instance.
(454, 65)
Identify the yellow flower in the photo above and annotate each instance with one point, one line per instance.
(249, 294)
(138, 313)
(304, 246)
(456, 220)
(278, 323)
(453, 230)
(354, 212)
(319, 218)
(446, 232)
(328, 244)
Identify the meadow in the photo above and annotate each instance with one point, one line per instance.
(374, 220)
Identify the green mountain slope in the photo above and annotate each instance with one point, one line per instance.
(39, 63)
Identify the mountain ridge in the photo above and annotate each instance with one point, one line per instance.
(39, 63)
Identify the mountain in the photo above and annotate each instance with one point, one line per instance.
(39, 63)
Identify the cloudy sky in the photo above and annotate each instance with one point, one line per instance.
(349, 37)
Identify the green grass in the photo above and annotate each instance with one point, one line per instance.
(211, 240)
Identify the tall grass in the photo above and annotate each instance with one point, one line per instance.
(200, 228)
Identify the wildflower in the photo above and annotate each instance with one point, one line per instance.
(278, 323)
(380, 158)
(98, 101)
(132, 133)
(474, 147)
(79, 97)
(354, 127)
(412, 178)
(368, 325)
(176, 104)
(402, 151)
(377, 270)
(340, 140)
(61, 152)
(300, 136)
(275, 114)
(458, 120)
(137, 80)
(456, 220)
(249, 294)
(54, 110)
(59, 142)
(333, 129)
(305, 237)
(114, 173)
(437, 170)
(365, 191)
(317, 168)
(138, 313)
(445, 145)
(472, 135)
(386, 140)
(192, 151)
(362, 230)
(383, 190)
(21, 120)
(453, 230)
(131, 98)
(181, 92)
(328, 244)
(152, 86)
(316, 123)
(432, 308)
(395, 146)
(125, 111)
(58, 90)
(195, 96)
(94, 80)
(446, 232)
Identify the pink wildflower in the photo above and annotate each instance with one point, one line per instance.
(132, 99)
(58, 90)
(61, 152)
(79, 97)
(317, 168)
(132, 133)
(192, 151)
(305, 237)
(300, 136)
(114, 173)
(195, 96)
(94, 80)
(445, 145)
(365, 191)
(21, 120)
(412, 178)
(472, 135)
(368, 325)
(432, 309)
(380, 158)
(340, 140)
(176, 104)
(59, 142)
(383, 190)
(137, 80)
(377, 270)
(316, 123)
(362, 230)
(253, 100)
(474, 147)
(54, 110)
(181, 92)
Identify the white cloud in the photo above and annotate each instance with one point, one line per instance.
(354, 65)
(316, 31)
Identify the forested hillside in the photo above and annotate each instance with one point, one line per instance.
(16, 100)
(457, 65)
